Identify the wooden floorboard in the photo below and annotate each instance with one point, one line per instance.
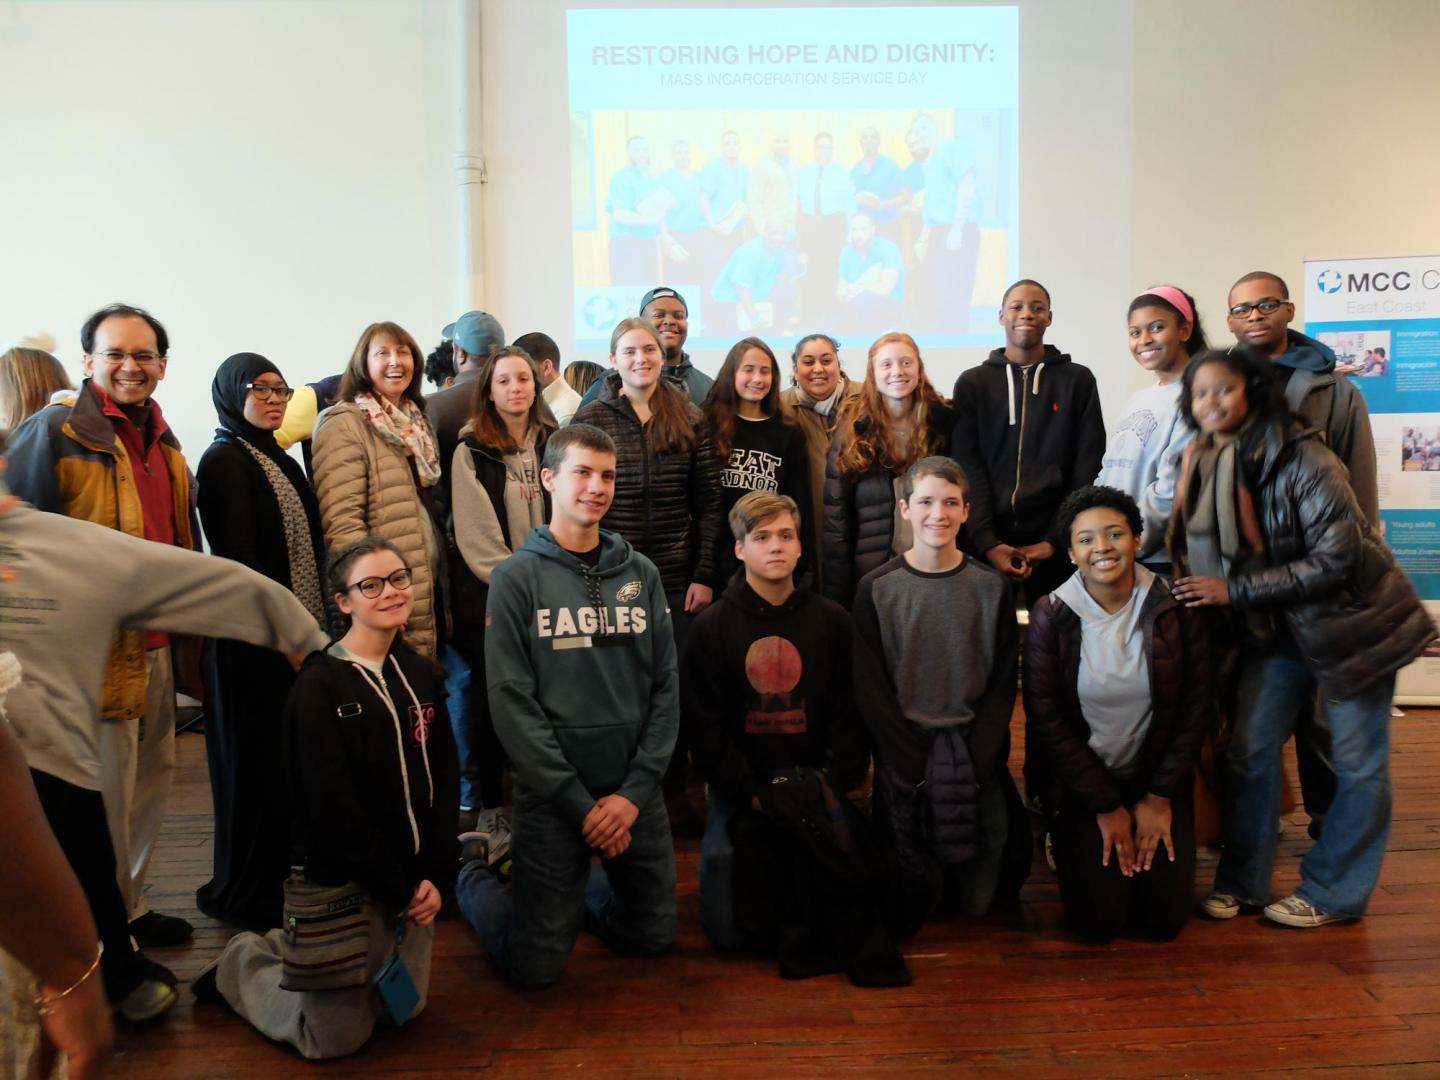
(1012, 993)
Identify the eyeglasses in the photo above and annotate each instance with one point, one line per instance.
(270, 393)
(1267, 307)
(371, 587)
(114, 357)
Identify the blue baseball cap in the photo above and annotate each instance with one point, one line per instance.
(476, 332)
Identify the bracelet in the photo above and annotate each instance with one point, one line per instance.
(45, 1003)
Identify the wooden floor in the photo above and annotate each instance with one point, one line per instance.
(1010, 993)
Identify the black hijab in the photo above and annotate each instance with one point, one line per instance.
(229, 393)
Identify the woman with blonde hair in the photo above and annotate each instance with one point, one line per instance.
(377, 469)
(897, 419)
(28, 377)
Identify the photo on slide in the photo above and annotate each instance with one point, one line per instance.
(853, 173)
(1361, 354)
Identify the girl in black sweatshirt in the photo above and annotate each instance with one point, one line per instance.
(760, 448)
(374, 781)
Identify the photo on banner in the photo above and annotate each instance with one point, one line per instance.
(850, 169)
(1381, 319)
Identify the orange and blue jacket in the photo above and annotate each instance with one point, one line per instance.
(67, 459)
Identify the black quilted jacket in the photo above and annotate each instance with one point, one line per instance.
(666, 505)
(1353, 614)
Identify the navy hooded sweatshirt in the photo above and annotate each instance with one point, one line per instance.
(582, 674)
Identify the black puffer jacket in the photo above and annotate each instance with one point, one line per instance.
(1177, 652)
(1353, 614)
(859, 525)
(666, 505)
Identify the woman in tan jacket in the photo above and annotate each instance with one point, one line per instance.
(815, 401)
(377, 469)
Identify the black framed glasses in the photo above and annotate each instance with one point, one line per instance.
(116, 357)
(371, 587)
(270, 393)
(1268, 306)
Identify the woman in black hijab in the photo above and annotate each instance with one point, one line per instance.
(257, 509)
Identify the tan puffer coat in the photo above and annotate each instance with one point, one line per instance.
(365, 485)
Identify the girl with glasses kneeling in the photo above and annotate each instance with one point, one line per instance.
(373, 778)
(1118, 699)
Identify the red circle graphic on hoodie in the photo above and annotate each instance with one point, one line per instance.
(773, 666)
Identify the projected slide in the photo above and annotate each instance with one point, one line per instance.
(850, 170)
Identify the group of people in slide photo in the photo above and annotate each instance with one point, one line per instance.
(487, 652)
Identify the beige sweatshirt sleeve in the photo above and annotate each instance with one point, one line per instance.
(476, 521)
(185, 592)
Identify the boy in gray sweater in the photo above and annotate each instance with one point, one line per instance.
(66, 587)
(935, 660)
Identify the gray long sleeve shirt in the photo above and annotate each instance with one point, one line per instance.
(71, 584)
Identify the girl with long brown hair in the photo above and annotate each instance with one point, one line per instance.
(496, 498)
(760, 447)
(897, 419)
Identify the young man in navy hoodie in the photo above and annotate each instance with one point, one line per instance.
(1258, 312)
(1028, 431)
(584, 692)
(765, 688)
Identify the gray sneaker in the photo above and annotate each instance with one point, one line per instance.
(1293, 911)
(489, 841)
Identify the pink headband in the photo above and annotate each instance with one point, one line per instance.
(1175, 298)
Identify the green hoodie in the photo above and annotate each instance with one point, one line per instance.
(582, 674)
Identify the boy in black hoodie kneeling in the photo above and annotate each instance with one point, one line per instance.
(765, 691)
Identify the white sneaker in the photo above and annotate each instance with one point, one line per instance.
(1220, 905)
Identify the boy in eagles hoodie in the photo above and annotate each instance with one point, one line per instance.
(1028, 431)
(584, 691)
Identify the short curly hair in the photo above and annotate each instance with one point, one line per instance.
(1093, 497)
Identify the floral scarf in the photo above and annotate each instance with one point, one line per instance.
(407, 428)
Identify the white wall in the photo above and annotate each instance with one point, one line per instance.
(271, 175)
(262, 175)
(1269, 133)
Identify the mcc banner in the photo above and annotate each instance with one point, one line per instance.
(1381, 317)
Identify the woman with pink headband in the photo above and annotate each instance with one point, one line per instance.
(1142, 457)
